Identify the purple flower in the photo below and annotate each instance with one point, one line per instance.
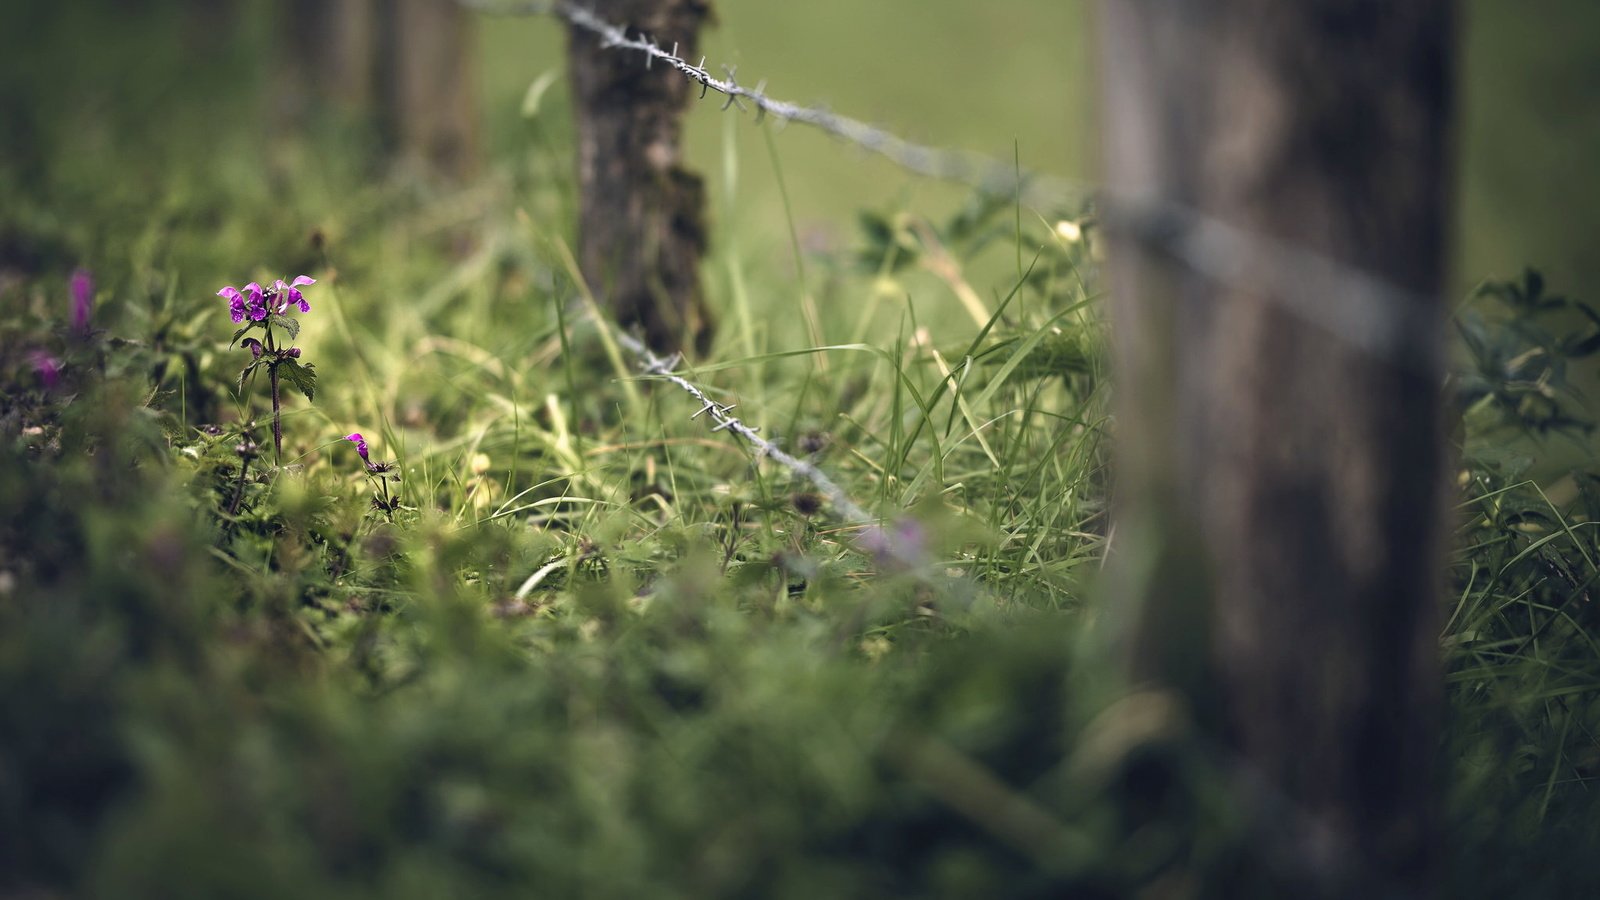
(904, 545)
(255, 303)
(278, 297)
(235, 302)
(248, 303)
(361, 445)
(82, 300)
(289, 294)
(48, 367)
(255, 347)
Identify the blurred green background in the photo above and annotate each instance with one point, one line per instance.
(1531, 141)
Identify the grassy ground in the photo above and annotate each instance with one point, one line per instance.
(601, 650)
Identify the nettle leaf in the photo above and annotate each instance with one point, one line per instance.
(301, 378)
(974, 215)
(1581, 345)
(292, 326)
(240, 333)
(245, 373)
(1532, 286)
(886, 239)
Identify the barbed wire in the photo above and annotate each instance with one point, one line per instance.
(722, 415)
(975, 170)
(899, 545)
(1373, 314)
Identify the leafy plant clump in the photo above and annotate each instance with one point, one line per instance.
(266, 309)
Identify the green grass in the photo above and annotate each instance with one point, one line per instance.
(604, 651)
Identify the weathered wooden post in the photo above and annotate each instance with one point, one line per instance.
(429, 92)
(1290, 477)
(641, 221)
(407, 64)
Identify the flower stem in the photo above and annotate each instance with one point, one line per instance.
(388, 505)
(247, 452)
(277, 422)
(238, 490)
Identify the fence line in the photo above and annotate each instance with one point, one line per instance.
(981, 172)
(891, 544)
(1364, 310)
(722, 415)
(1372, 314)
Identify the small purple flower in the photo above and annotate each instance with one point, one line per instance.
(82, 300)
(246, 304)
(255, 347)
(235, 302)
(255, 303)
(904, 545)
(47, 366)
(361, 446)
(290, 293)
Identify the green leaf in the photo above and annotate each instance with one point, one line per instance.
(245, 373)
(536, 91)
(977, 212)
(1581, 345)
(301, 378)
(1054, 354)
(1578, 347)
(240, 333)
(292, 326)
(885, 240)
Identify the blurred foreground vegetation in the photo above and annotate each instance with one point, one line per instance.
(601, 651)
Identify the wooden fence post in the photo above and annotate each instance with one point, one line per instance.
(428, 86)
(406, 64)
(1291, 480)
(641, 222)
